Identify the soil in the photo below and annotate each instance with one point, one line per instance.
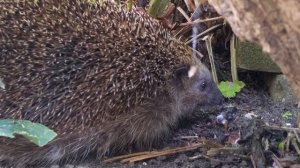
(252, 99)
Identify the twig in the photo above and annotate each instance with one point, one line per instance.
(211, 58)
(288, 141)
(294, 143)
(181, 31)
(198, 53)
(190, 5)
(126, 156)
(297, 136)
(162, 153)
(209, 158)
(281, 128)
(151, 154)
(212, 144)
(204, 33)
(215, 151)
(184, 14)
(234, 74)
(189, 137)
(201, 21)
(276, 160)
(252, 161)
(245, 157)
(185, 25)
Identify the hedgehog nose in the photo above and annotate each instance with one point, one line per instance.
(220, 100)
(217, 97)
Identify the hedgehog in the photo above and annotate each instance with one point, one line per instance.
(105, 79)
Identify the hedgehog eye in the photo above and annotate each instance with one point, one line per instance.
(203, 85)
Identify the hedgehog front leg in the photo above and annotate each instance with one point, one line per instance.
(140, 129)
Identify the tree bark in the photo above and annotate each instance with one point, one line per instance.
(274, 24)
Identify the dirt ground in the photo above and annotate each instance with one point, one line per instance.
(252, 99)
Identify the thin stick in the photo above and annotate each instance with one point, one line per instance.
(204, 32)
(281, 128)
(189, 137)
(294, 143)
(162, 153)
(184, 14)
(209, 158)
(234, 74)
(190, 5)
(276, 161)
(201, 21)
(252, 161)
(126, 156)
(211, 58)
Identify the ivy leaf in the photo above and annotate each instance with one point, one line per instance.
(229, 89)
(238, 85)
(226, 89)
(34, 132)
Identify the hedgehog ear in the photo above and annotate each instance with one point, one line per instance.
(180, 73)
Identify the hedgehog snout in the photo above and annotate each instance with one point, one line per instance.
(215, 97)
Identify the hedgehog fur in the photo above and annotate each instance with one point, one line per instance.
(101, 77)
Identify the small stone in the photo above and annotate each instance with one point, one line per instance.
(279, 88)
(251, 57)
(2, 85)
(288, 124)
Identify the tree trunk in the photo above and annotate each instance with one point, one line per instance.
(274, 24)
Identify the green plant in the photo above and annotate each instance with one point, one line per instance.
(157, 7)
(34, 132)
(229, 89)
(281, 145)
(287, 115)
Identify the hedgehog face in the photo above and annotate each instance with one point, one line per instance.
(195, 86)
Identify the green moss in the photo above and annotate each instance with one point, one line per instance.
(251, 57)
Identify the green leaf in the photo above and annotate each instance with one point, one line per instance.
(229, 89)
(34, 132)
(287, 115)
(281, 145)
